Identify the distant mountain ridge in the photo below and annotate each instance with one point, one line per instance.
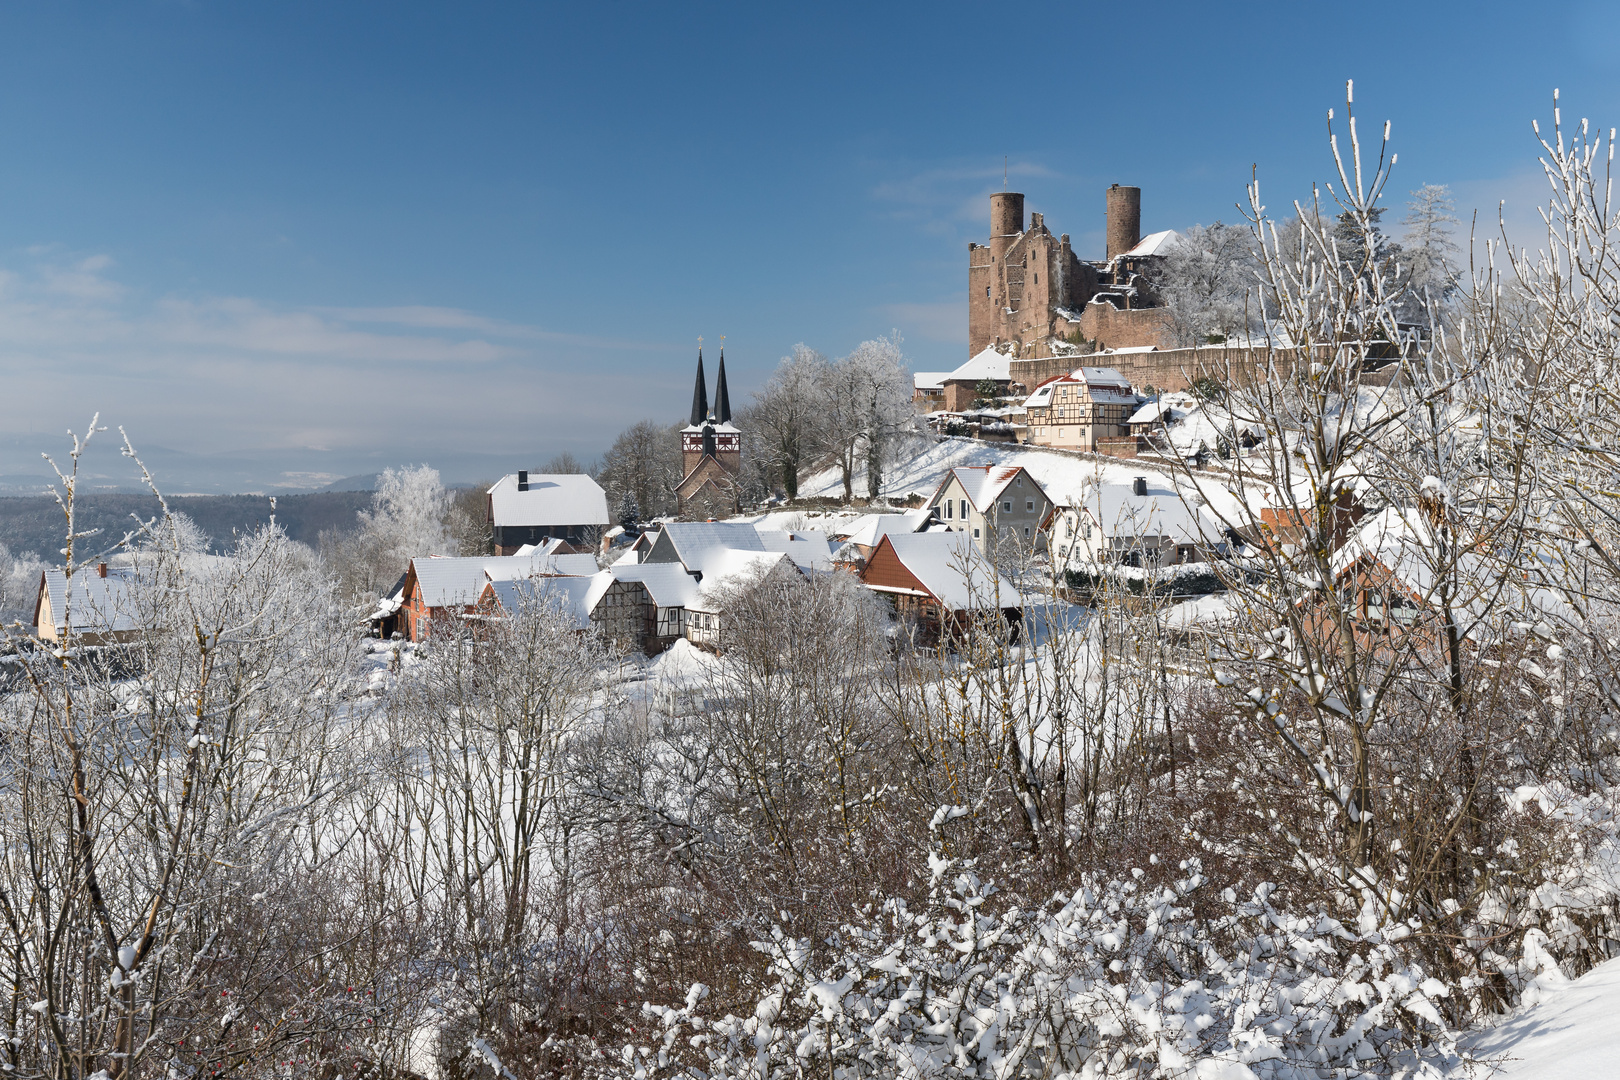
(34, 524)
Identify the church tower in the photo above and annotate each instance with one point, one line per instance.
(711, 451)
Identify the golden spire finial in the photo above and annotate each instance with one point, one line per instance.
(700, 341)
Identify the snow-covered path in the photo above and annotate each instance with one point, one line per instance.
(1573, 1032)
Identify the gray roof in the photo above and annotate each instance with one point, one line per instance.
(459, 582)
(696, 543)
(98, 604)
(569, 595)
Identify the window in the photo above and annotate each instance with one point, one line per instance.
(1037, 279)
(1029, 506)
(975, 534)
(947, 509)
(1026, 532)
(1006, 506)
(987, 292)
(964, 511)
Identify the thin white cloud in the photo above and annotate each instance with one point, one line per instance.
(210, 374)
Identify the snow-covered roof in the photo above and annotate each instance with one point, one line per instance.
(953, 570)
(729, 568)
(1103, 384)
(989, 364)
(1121, 513)
(512, 567)
(569, 595)
(697, 543)
(1043, 393)
(808, 548)
(552, 499)
(458, 582)
(547, 546)
(929, 380)
(1401, 541)
(1154, 411)
(727, 428)
(98, 604)
(669, 585)
(868, 529)
(984, 483)
(1159, 243)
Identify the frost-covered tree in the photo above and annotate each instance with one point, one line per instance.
(788, 416)
(868, 408)
(1428, 250)
(1209, 284)
(644, 462)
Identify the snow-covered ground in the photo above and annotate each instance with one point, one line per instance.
(1571, 1033)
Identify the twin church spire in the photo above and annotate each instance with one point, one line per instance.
(711, 451)
(700, 395)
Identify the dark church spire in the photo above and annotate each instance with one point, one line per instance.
(700, 394)
(722, 400)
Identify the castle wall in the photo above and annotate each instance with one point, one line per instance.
(1112, 328)
(1166, 369)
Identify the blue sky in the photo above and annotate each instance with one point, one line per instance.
(314, 239)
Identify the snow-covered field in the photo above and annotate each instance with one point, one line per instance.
(1571, 1033)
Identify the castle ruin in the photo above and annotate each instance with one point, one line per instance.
(1028, 291)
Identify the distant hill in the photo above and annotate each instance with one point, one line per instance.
(35, 524)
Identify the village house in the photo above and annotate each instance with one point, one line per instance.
(941, 583)
(857, 540)
(694, 544)
(729, 571)
(99, 602)
(1137, 524)
(643, 606)
(440, 589)
(1398, 584)
(531, 508)
(959, 389)
(993, 503)
(1082, 410)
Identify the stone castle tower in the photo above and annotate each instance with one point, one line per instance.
(1027, 287)
(711, 452)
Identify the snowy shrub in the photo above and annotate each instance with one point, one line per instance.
(1120, 978)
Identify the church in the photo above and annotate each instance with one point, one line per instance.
(711, 452)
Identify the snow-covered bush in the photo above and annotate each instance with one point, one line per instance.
(1117, 978)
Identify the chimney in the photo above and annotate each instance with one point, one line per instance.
(523, 479)
(1140, 486)
(101, 569)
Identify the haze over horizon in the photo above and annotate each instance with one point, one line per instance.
(282, 244)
